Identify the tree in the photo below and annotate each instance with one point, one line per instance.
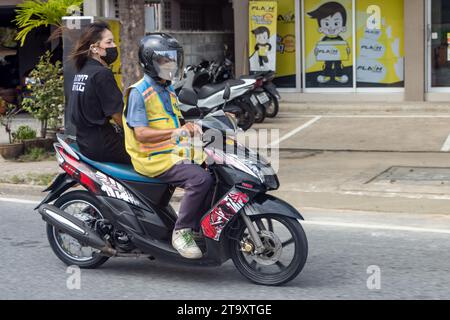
(32, 14)
(46, 102)
(132, 16)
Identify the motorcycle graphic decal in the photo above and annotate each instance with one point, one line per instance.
(216, 220)
(114, 189)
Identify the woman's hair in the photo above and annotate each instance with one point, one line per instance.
(91, 35)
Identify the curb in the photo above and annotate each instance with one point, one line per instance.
(302, 107)
(19, 189)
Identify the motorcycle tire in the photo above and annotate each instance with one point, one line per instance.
(273, 108)
(63, 203)
(260, 113)
(246, 118)
(250, 270)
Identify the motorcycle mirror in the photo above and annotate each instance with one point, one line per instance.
(227, 92)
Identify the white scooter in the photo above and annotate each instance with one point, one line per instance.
(210, 98)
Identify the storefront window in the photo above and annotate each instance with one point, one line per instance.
(440, 43)
(328, 27)
(286, 68)
(379, 45)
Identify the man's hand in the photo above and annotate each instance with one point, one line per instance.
(190, 128)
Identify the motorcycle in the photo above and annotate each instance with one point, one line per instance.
(124, 214)
(265, 93)
(264, 97)
(210, 96)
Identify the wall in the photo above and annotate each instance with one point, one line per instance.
(415, 50)
(240, 11)
(202, 45)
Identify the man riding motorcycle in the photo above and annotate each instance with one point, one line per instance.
(154, 136)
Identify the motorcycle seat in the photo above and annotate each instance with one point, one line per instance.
(210, 89)
(116, 170)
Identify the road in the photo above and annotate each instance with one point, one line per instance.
(352, 255)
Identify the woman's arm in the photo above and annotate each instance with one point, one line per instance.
(117, 117)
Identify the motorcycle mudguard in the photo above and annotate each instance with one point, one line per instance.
(62, 183)
(267, 204)
(272, 89)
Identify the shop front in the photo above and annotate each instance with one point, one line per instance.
(358, 47)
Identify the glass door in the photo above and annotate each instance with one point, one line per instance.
(438, 45)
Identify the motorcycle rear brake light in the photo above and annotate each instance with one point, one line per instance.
(69, 169)
(88, 182)
(247, 185)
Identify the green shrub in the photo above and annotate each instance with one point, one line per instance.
(34, 154)
(24, 133)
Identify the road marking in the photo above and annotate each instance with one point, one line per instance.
(373, 116)
(317, 223)
(374, 226)
(446, 146)
(293, 132)
(18, 201)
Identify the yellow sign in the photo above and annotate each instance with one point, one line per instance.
(328, 43)
(262, 37)
(379, 50)
(286, 41)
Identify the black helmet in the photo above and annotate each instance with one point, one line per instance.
(161, 56)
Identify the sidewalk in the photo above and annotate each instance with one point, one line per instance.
(338, 107)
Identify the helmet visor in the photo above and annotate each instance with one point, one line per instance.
(168, 64)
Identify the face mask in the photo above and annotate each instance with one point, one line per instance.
(168, 70)
(111, 55)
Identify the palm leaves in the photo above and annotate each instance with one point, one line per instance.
(35, 13)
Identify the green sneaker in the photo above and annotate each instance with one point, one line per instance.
(183, 241)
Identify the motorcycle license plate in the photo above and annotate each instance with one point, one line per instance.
(254, 100)
(263, 98)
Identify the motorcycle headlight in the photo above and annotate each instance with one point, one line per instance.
(246, 165)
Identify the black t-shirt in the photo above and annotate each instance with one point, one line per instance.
(94, 98)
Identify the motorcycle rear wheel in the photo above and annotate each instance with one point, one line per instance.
(252, 268)
(273, 108)
(63, 244)
(260, 113)
(246, 118)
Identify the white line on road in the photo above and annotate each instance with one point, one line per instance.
(310, 222)
(381, 116)
(293, 132)
(446, 146)
(374, 226)
(18, 201)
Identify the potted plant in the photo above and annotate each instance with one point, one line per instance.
(27, 136)
(10, 150)
(46, 101)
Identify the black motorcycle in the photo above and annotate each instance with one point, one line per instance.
(124, 214)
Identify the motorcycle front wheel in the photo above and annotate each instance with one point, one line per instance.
(285, 253)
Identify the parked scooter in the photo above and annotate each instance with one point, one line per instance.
(211, 95)
(124, 214)
(264, 97)
(265, 92)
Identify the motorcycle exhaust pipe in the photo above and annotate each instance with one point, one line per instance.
(74, 227)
